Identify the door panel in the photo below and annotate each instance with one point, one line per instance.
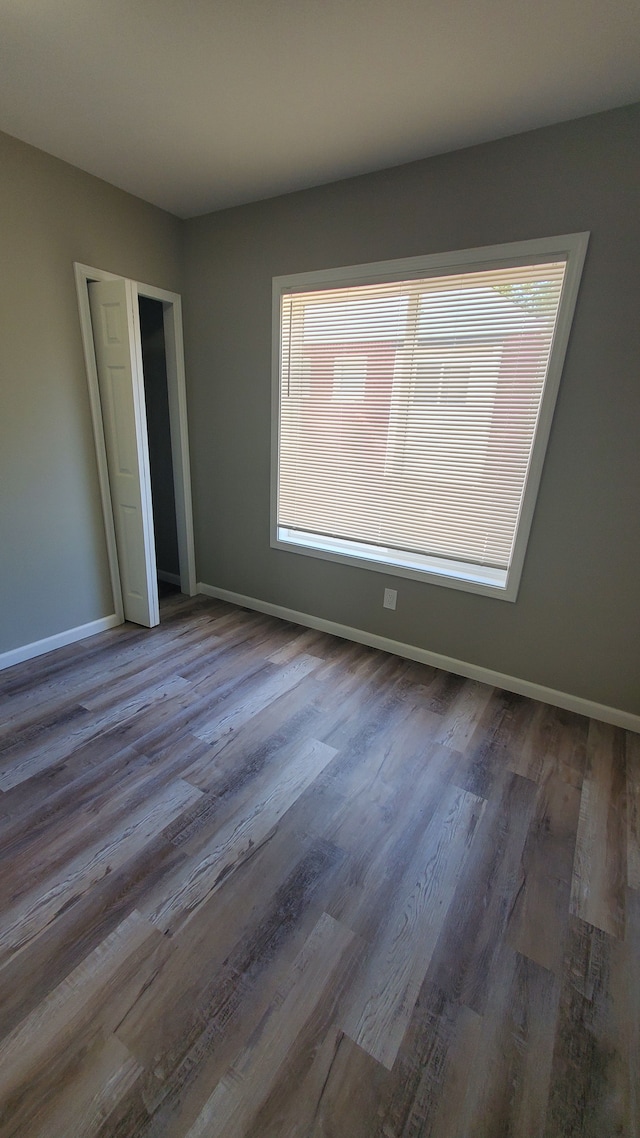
(116, 334)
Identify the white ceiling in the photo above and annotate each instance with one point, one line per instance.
(199, 104)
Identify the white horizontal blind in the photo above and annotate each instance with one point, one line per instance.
(408, 409)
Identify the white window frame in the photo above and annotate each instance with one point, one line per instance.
(503, 584)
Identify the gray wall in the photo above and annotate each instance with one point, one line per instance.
(575, 625)
(53, 564)
(159, 435)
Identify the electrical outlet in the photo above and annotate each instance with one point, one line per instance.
(390, 598)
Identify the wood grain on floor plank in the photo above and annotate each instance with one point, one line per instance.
(243, 1089)
(600, 865)
(384, 998)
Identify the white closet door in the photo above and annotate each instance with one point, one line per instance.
(116, 332)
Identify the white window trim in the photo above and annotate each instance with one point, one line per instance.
(438, 571)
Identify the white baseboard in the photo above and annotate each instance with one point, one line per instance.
(169, 578)
(568, 702)
(69, 636)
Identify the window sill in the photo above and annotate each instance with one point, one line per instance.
(451, 574)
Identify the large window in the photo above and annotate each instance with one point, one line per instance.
(412, 406)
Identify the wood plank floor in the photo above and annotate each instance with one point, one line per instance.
(258, 881)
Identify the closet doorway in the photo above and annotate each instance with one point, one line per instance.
(133, 348)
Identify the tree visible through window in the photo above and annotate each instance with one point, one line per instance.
(408, 408)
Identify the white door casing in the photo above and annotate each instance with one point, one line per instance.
(118, 352)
